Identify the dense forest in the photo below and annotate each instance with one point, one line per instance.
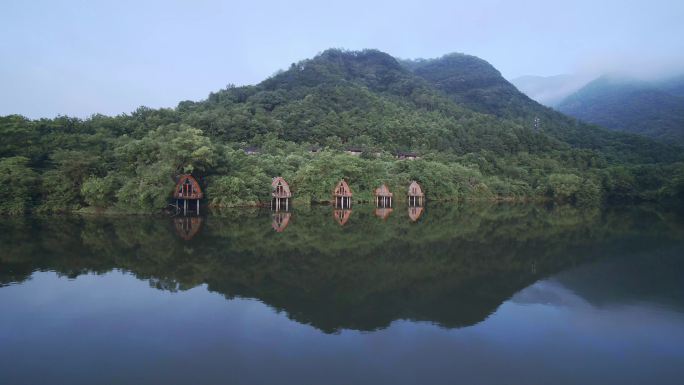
(476, 135)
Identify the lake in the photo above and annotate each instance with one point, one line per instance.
(490, 294)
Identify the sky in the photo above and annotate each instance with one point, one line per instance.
(79, 58)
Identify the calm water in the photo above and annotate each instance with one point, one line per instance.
(472, 294)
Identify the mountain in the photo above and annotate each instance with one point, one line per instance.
(550, 90)
(478, 137)
(631, 106)
(475, 84)
(671, 85)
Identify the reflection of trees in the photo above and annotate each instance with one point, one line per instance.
(454, 267)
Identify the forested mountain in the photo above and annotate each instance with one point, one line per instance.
(478, 138)
(630, 106)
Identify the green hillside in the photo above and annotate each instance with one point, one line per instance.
(477, 138)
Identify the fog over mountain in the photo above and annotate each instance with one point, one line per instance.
(550, 90)
(650, 105)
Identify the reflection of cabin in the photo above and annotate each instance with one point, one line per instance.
(187, 189)
(415, 212)
(280, 221)
(406, 155)
(383, 212)
(383, 196)
(342, 216)
(187, 227)
(342, 194)
(280, 194)
(415, 194)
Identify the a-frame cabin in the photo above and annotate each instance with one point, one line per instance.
(342, 194)
(187, 189)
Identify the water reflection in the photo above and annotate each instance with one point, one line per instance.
(280, 220)
(415, 212)
(510, 294)
(187, 227)
(342, 216)
(455, 269)
(383, 212)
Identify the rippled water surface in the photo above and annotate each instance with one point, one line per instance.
(504, 294)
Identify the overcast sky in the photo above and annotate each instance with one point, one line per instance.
(84, 57)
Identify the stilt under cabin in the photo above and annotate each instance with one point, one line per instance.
(187, 191)
(383, 196)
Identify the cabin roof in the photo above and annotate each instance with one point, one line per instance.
(194, 193)
(342, 189)
(415, 190)
(285, 192)
(383, 191)
(278, 179)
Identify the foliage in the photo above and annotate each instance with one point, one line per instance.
(474, 133)
(18, 181)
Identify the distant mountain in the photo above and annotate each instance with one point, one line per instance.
(550, 90)
(629, 105)
(475, 84)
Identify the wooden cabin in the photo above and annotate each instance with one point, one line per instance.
(415, 194)
(187, 189)
(383, 212)
(252, 150)
(415, 212)
(406, 155)
(342, 194)
(383, 196)
(280, 221)
(341, 216)
(187, 227)
(354, 151)
(280, 194)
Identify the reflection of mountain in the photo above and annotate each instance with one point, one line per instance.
(454, 267)
(653, 276)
